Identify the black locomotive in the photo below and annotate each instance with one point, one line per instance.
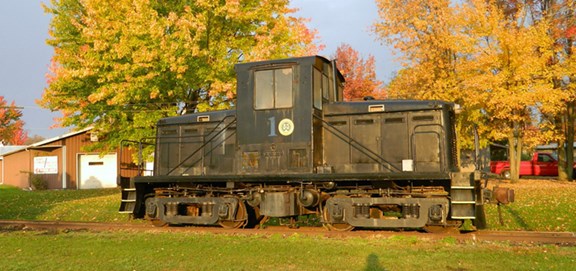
(292, 147)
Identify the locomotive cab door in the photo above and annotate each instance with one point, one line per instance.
(275, 119)
(427, 144)
(279, 110)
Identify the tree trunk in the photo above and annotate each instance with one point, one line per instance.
(570, 140)
(561, 150)
(514, 156)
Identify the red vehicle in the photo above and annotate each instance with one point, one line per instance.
(541, 164)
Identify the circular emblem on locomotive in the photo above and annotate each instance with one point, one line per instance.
(286, 127)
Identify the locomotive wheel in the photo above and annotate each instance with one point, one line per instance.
(152, 213)
(453, 227)
(240, 219)
(335, 226)
(263, 221)
(254, 217)
(158, 222)
(442, 229)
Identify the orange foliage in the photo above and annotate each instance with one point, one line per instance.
(360, 74)
(11, 126)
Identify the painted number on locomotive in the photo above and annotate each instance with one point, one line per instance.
(285, 127)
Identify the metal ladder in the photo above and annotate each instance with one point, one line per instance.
(128, 196)
(463, 199)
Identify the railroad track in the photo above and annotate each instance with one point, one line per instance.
(557, 238)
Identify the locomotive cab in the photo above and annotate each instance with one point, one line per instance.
(279, 107)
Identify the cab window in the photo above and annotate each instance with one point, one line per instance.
(273, 88)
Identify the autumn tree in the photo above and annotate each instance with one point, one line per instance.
(487, 56)
(11, 126)
(359, 74)
(119, 66)
(421, 31)
(558, 122)
(34, 139)
(426, 34)
(508, 70)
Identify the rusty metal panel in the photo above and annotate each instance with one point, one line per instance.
(395, 139)
(365, 130)
(274, 158)
(196, 144)
(336, 142)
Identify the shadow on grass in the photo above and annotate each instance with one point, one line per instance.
(516, 217)
(18, 204)
(373, 264)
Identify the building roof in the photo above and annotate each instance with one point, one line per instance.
(41, 143)
(50, 140)
(9, 149)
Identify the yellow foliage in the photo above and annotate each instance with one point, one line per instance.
(493, 60)
(121, 65)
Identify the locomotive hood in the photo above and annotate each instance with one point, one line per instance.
(384, 106)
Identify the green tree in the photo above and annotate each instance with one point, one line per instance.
(121, 65)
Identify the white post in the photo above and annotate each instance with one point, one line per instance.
(64, 171)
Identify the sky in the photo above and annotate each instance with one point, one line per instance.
(25, 56)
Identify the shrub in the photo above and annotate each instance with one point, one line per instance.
(38, 182)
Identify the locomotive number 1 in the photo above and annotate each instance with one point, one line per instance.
(285, 127)
(272, 122)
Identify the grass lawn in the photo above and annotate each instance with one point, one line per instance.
(194, 251)
(97, 205)
(541, 205)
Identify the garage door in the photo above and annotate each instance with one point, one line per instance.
(97, 172)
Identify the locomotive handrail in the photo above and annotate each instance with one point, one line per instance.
(205, 142)
(363, 149)
(209, 151)
(140, 168)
